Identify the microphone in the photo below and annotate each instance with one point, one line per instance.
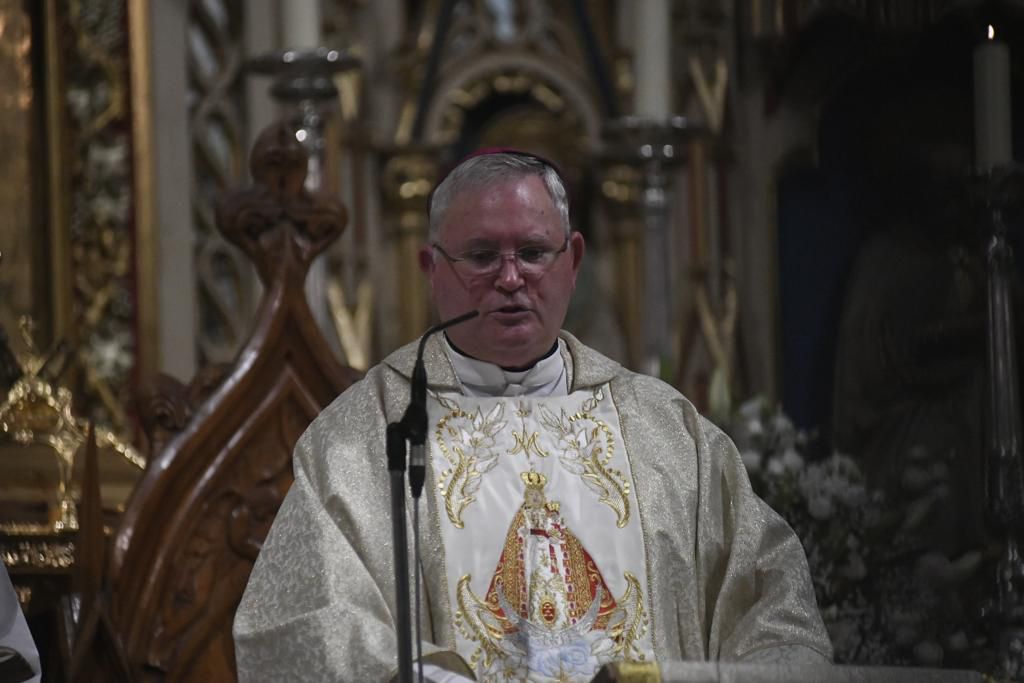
(414, 421)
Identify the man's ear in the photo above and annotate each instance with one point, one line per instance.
(577, 245)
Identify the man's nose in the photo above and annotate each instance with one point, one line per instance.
(509, 278)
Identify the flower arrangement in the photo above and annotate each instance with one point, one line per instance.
(886, 594)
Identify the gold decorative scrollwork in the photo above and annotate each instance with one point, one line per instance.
(629, 624)
(478, 623)
(24, 594)
(468, 442)
(587, 447)
(101, 316)
(406, 179)
(36, 412)
(38, 554)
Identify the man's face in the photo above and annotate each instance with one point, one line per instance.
(520, 314)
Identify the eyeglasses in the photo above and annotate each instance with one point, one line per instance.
(531, 261)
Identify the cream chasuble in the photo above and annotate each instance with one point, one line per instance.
(581, 521)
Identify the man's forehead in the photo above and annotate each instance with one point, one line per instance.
(528, 187)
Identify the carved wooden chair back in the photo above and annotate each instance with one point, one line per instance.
(221, 458)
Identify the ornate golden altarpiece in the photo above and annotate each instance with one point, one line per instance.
(77, 268)
(77, 241)
(151, 588)
(41, 441)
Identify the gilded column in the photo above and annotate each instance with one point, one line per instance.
(407, 177)
(621, 189)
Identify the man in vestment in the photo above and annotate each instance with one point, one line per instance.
(574, 513)
(19, 657)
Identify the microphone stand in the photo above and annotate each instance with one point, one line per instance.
(395, 443)
(412, 428)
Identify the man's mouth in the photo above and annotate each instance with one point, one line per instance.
(510, 311)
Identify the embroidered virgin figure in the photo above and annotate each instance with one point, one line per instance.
(548, 609)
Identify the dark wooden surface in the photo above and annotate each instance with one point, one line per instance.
(221, 448)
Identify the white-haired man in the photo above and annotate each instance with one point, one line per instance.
(576, 513)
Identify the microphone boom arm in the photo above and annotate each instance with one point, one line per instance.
(411, 429)
(414, 421)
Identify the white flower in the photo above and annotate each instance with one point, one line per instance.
(792, 460)
(780, 423)
(752, 460)
(752, 409)
(837, 478)
(820, 507)
(79, 102)
(110, 356)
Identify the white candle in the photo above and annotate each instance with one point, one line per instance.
(300, 23)
(652, 55)
(992, 132)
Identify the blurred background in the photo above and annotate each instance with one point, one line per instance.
(791, 209)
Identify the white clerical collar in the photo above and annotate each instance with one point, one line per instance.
(480, 378)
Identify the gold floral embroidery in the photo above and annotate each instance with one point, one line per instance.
(591, 403)
(629, 623)
(587, 445)
(479, 624)
(467, 442)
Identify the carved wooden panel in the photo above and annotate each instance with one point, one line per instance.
(206, 578)
(192, 531)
